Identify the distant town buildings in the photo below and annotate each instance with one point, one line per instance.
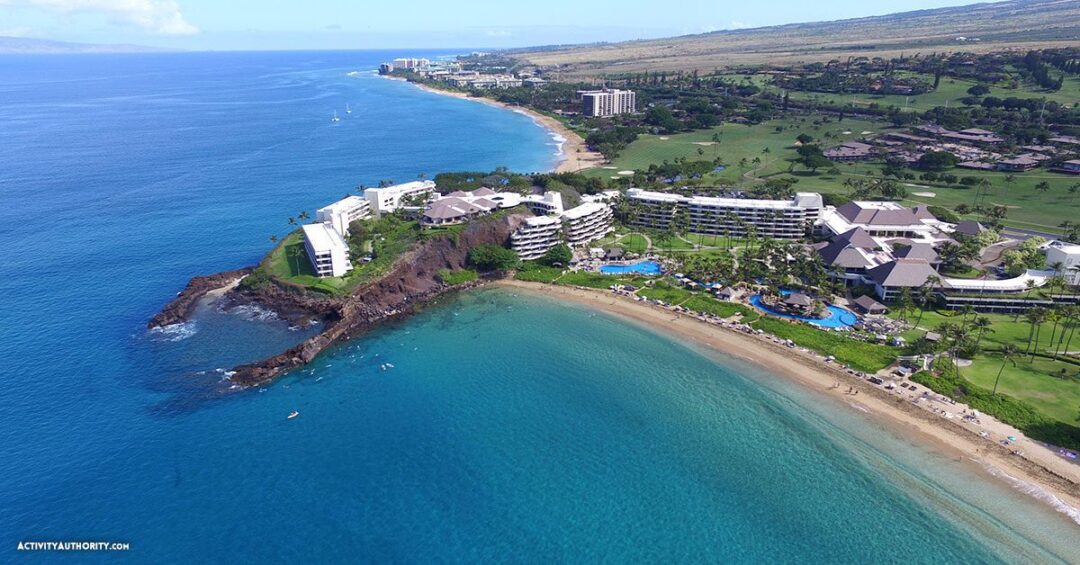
(607, 102)
(784, 219)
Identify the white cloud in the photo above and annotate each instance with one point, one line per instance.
(499, 33)
(159, 16)
(735, 24)
(16, 32)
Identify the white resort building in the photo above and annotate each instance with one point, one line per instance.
(785, 219)
(460, 207)
(607, 102)
(535, 236)
(588, 222)
(411, 194)
(1068, 254)
(886, 220)
(327, 250)
(344, 212)
(544, 204)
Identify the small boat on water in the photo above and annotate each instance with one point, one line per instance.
(390, 365)
(348, 110)
(335, 119)
(293, 414)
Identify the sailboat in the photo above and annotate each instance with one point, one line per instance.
(348, 110)
(335, 119)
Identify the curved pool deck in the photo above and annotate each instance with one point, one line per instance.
(651, 268)
(838, 317)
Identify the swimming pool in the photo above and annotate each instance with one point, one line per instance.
(639, 268)
(838, 317)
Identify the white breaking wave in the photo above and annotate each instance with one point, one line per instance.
(251, 313)
(175, 332)
(1037, 492)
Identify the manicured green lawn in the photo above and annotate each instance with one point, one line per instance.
(533, 272)
(863, 356)
(950, 91)
(1027, 207)
(590, 279)
(709, 305)
(667, 293)
(1034, 383)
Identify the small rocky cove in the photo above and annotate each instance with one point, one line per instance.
(411, 282)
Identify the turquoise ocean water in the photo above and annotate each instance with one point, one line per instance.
(511, 428)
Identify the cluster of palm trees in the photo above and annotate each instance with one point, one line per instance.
(300, 218)
(766, 261)
(1064, 316)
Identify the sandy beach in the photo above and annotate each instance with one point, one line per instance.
(575, 154)
(1057, 481)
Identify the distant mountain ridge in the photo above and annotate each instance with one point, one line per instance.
(1019, 24)
(28, 46)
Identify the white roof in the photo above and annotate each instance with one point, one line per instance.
(801, 200)
(538, 221)
(1015, 284)
(586, 209)
(323, 238)
(346, 203)
(1064, 247)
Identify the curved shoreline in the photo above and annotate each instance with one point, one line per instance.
(1040, 467)
(574, 154)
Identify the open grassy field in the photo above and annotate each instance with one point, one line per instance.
(1036, 381)
(1057, 398)
(1026, 27)
(950, 92)
(867, 357)
(1027, 207)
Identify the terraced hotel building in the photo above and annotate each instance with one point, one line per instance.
(782, 219)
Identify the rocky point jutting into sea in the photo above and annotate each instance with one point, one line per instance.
(409, 283)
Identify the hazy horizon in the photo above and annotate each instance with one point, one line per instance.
(244, 25)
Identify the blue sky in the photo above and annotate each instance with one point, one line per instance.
(343, 24)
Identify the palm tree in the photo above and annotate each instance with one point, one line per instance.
(982, 324)
(1008, 351)
(273, 238)
(926, 292)
(303, 215)
(1036, 316)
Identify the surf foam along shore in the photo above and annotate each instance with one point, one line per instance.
(409, 283)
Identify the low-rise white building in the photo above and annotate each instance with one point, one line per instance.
(327, 250)
(411, 194)
(535, 236)
(886, 220)
(344, 212)
(460, 206)
(1068, 254)
(588, 222)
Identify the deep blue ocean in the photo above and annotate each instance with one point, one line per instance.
(511, 428)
